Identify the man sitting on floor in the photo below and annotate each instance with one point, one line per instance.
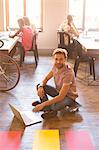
(65, 92)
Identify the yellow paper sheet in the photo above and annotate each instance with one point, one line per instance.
(46, 140)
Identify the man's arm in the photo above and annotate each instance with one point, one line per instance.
(74, 30)
(15, 34)
(48, 77)
(43, 83)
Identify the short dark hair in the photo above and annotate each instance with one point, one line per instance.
(60, 51)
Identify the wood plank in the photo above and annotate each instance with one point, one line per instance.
(46, 140)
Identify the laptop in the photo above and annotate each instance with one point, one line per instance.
(27, 118)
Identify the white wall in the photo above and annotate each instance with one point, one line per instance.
(54, 12)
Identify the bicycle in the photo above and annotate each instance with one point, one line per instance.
(9, 72)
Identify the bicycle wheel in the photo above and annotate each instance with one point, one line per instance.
(9, 73)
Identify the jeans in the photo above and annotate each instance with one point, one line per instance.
(51, 91)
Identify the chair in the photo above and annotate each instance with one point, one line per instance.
(34, 49)
(64, 41)
(84, 57)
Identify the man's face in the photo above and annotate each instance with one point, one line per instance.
(59, 60)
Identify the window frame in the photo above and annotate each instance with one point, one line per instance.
(83, 21)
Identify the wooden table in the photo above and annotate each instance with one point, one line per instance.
(9, 43)
(91, 44)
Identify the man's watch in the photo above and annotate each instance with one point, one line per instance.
(40, 86)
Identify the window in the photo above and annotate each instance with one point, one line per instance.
(15, 6)
(76, 10)
(92, 16)
(19, 8)
(85, 13)
(33, 11)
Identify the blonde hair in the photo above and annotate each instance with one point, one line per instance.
(60, 51)
(26, 20)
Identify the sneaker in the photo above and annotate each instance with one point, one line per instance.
(49, 114)
(73, 109)
(67, 108)
(35, 103)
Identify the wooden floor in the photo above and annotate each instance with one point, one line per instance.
(25, 93)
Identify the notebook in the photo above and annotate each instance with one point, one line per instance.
(27, 118)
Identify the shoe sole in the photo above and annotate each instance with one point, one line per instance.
(35, 103)
(74, 110)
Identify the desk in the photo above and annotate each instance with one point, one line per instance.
(9, 43)
(91, 44)
(92, 47)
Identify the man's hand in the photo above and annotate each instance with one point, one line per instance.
(38, 107)
(11, 36)
(40, 92)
